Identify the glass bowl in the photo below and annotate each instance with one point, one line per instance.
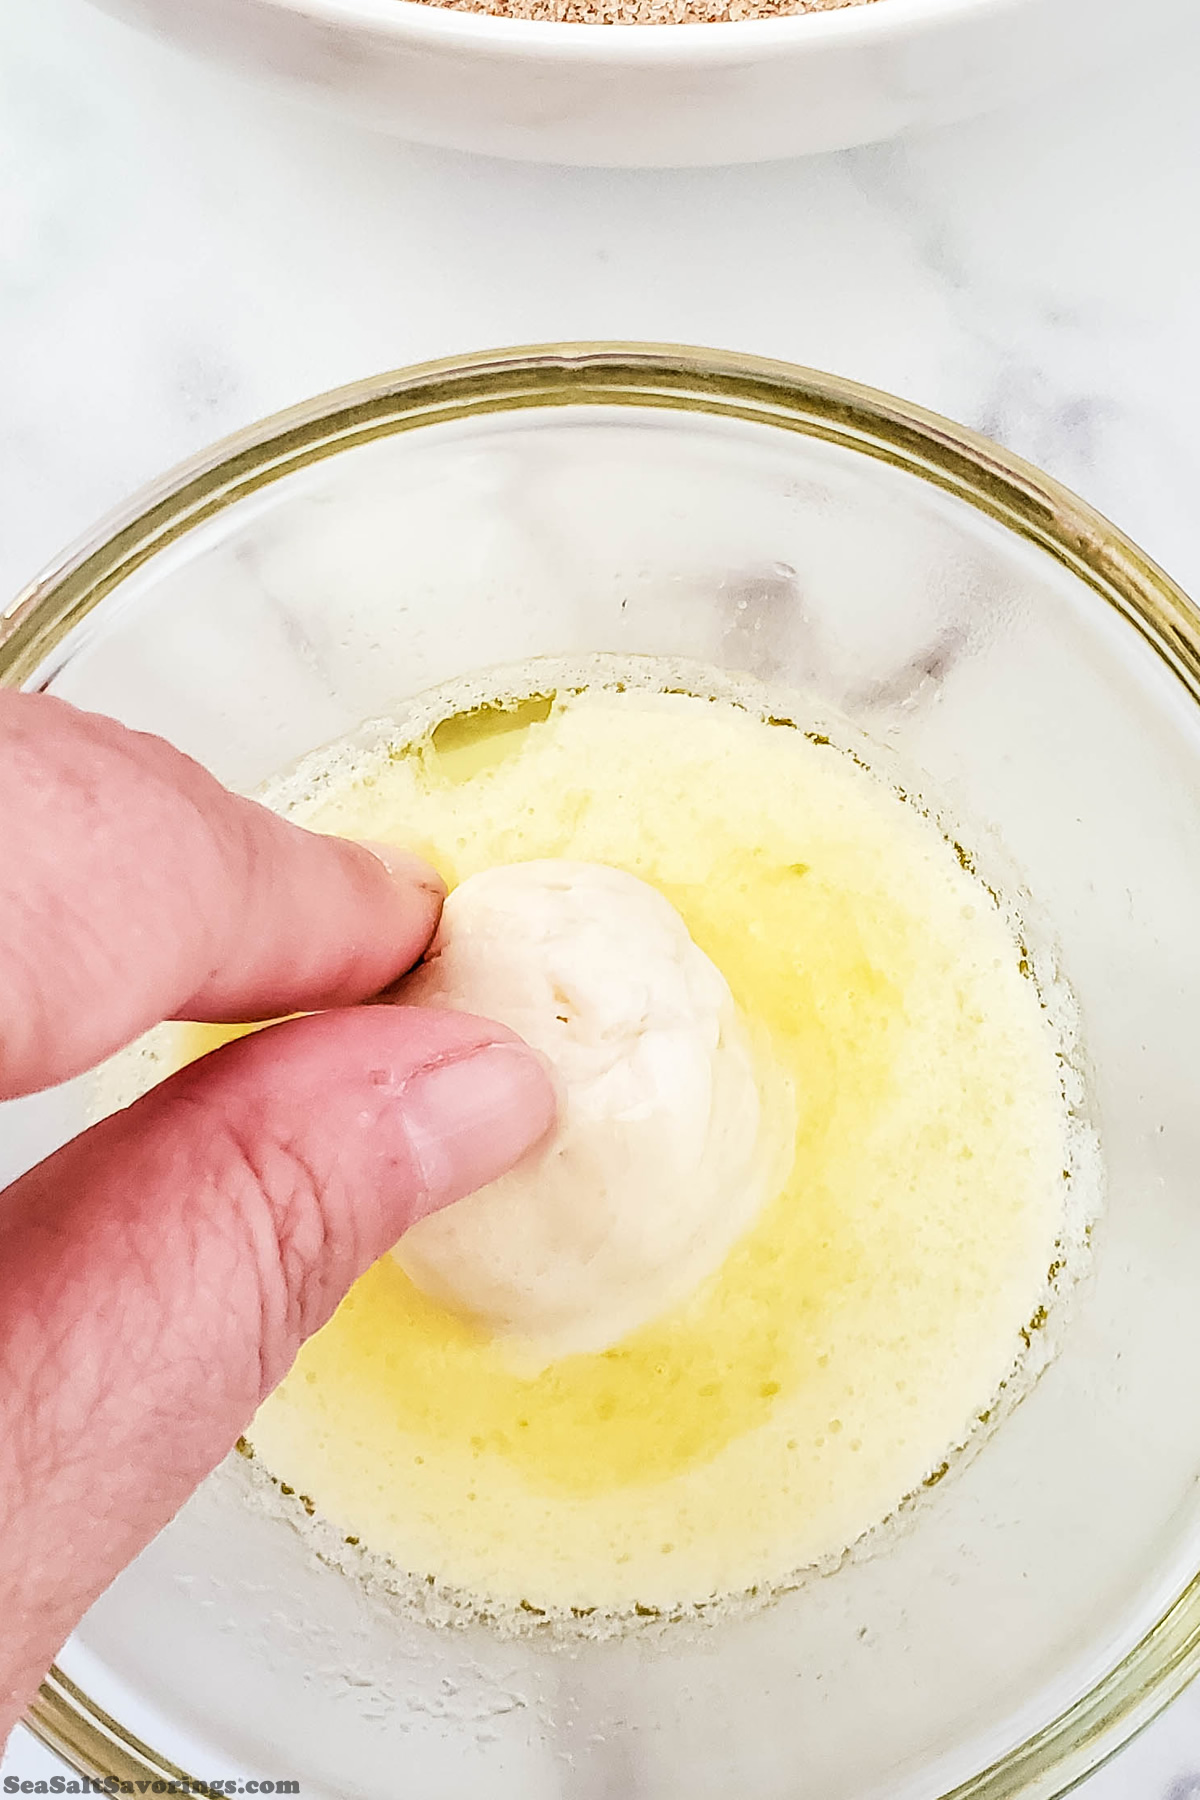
(990, 630)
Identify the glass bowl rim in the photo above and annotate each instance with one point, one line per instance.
(663, 376)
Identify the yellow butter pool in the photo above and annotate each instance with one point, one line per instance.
(859, 1332)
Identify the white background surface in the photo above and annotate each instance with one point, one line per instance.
(180, 254)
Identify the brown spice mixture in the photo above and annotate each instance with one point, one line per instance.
(644, 12)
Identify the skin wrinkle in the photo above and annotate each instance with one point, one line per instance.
(298, 1260)
(47, 1463)
(28, 1451)
(257, 1233)
(307, 1250)
(69, 1389)
(63, 1364)
(285, 1272)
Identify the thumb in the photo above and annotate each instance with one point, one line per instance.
(159, 1273)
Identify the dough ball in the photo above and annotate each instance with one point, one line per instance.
(664, 1150)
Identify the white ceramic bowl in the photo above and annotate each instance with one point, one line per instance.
(657, 95)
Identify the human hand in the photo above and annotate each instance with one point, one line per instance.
(159, 1273)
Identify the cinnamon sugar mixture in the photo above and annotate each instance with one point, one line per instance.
(645, 12)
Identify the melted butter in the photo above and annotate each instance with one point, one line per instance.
(853, 1338)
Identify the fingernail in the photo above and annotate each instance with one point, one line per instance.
(470, 1119)
(403, 866)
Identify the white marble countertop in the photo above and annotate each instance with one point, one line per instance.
(180, 254)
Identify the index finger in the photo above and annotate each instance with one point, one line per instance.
(135, 888)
